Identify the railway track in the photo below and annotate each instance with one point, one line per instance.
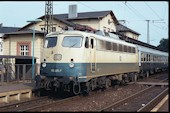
(27, 103)
(52, 104)
(149, 106)
(127, 103)
(46, 104)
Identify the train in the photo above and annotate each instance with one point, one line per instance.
(79, 62)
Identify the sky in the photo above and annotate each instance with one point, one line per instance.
(135, 14)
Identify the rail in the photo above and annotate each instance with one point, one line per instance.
(19, 105)
(107, 108)
(154, 102)
(46, 106)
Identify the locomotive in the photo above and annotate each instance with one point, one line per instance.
(78, 62)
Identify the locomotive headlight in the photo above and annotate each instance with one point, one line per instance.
(71, 65)
(57, 57)
(44, 64)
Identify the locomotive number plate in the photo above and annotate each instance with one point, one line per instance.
(56, 70)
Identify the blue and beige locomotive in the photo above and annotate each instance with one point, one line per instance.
(78, 62)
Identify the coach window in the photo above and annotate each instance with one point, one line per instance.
(151, 58)
(141, 56)
(154, 58)
(144, 59)
(147, 57)
(158, 58)
(87, 42)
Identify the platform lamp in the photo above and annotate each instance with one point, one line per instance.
(33, 40)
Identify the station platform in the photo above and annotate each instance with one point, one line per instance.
(163, 105)
(15, 91)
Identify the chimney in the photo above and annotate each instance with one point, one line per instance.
(72, 11)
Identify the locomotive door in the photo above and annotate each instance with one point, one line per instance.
(93, 54)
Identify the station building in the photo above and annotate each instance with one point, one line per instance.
(20, 42)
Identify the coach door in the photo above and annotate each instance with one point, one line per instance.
(93, 54)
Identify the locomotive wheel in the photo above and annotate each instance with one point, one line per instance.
(147, 74)
(76, 88)
(85, 92)
(122, 83)
(40, 92)
(108, 83)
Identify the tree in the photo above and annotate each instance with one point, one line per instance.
(163, 45)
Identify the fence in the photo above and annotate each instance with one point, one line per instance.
(17, 72)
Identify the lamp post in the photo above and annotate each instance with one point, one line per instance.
(33, 40)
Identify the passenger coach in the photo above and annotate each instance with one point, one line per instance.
(151, 60)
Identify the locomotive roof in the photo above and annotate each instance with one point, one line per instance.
(95, 35)
(153, 51)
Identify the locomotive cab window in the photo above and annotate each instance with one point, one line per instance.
(72, 41)
(92, 43)
(50, 42)
(87, 42)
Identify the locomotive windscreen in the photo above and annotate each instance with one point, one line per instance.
(72, 41)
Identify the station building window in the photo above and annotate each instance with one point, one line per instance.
(53, 29)
(42, 29)
(24, 48)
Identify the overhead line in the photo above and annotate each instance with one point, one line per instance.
(153, 11)
(86, 5)
(137, 14)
